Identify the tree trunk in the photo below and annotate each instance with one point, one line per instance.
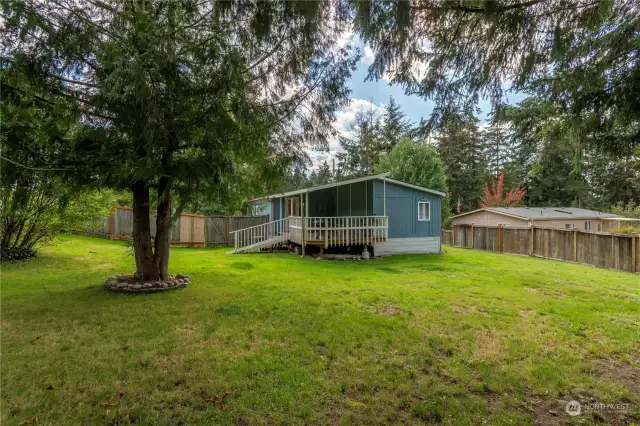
(163, 230)
(143, 249)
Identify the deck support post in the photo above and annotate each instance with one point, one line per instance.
(303, 217)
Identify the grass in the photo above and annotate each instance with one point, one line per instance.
(273, 338)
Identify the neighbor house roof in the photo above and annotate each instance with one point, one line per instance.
(545, 213)
(382, 176)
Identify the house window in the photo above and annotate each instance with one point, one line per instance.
(569, 225)
(587, 226)
(424, 210)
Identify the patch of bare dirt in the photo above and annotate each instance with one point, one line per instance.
(620, 372)
(464, 309)
(527, 314)
(551, 413)
(488, 345)
(391, 311)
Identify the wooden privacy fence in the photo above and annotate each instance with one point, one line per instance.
(614, 251)
(219, 228)
(187, 230)
(446, 236)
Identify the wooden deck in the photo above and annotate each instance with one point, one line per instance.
(338, 231)
(323, 232)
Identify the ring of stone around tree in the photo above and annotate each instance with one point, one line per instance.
(128, 284)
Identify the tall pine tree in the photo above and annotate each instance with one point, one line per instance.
(177, 97)
(395, 126)
(460, 149)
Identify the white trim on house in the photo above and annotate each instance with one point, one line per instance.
(428, 211)
(492, 211)
(416, 187)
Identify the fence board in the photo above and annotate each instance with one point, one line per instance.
(188, 229)
(219, 228)
(614, 251)
(516, 240)
(446, 236)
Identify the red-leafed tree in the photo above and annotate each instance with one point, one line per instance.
(494, 197)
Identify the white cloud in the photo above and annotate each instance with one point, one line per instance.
(368, 55)
(345, 118)
(418, 70)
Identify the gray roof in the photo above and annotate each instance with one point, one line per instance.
(381, 176)
(538, 213)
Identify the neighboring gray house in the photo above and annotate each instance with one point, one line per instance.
(541, 217)
(386, 214)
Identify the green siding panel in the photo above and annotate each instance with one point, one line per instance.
(402, 209)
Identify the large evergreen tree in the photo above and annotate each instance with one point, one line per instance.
(460, 149)
(178, 97)
(324, 174)
(582, 56)
(362, 150)
(395, 125)
(558, 171)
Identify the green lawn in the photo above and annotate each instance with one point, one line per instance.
(451, 339)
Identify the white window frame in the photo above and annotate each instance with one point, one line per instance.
(569, 226)
(587, 225)
(428, 203)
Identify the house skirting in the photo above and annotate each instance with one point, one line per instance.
(408, 246)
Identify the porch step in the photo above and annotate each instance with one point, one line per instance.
(268, 243)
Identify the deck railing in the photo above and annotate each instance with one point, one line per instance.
(269, 234)
(339, 231)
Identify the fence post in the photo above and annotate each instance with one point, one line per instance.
(111, 223)
(499, 238)
(533, 240)
(633, 254)
(575, 244)
(473, 235)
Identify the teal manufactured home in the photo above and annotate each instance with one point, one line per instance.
(387, 215)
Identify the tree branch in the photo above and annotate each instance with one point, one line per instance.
(478, 9)
(41, 169)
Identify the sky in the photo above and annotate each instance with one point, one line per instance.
(376, 94)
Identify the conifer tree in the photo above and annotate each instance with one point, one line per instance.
(178, 97)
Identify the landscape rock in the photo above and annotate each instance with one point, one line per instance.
(127, 284)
